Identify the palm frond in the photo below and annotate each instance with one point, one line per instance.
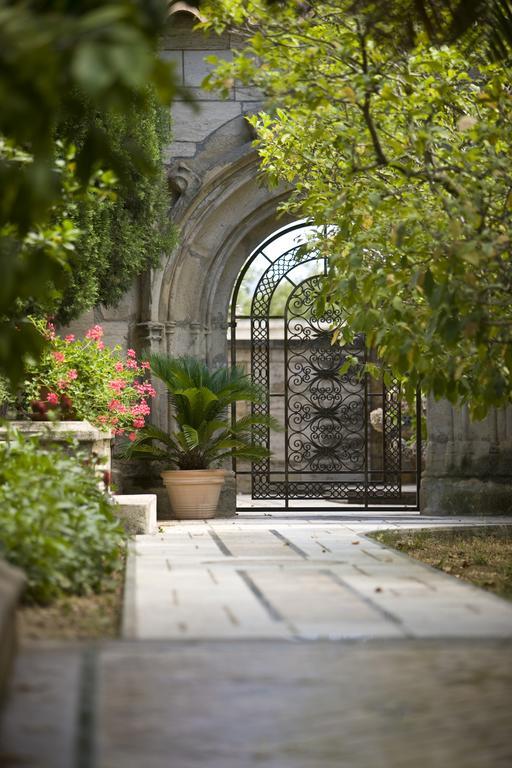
(191, 436)
(253, 420)
(132, 451)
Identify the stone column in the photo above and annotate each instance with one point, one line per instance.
(150, 337)
(468, 469)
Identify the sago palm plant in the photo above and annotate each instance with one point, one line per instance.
(201, 400)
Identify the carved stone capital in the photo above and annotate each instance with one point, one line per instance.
(151, 333)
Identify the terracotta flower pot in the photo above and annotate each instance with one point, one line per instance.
(194, 493)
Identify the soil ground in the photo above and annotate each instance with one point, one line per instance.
(482, 556)
(74, 618)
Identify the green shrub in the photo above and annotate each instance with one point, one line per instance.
(55, 522)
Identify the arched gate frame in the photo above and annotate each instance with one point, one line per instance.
(333, 451)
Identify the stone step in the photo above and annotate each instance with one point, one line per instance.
(137, 512)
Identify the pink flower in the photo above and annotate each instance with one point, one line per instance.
(53, 398)
(141, 409)
(102, 418)
(113, 405)
(100, 345)
(132, 436)
(139, 422)
(72, 375)
(69, 338)
(132, 364)
(146, 389)
(119, 431)
(131, 353)
(117, 385)
(62, 384)
(50, 328)
(119, 367)
(59, 356)
(94, 333)
(145, 365)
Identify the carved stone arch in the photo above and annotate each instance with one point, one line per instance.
(220, 225)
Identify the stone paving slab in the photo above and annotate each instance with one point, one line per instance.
(306, 705)
(39, 727)
(381, 704)
(295, 579)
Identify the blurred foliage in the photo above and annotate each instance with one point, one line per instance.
(66, 66)
(404, 154)
(55, 522)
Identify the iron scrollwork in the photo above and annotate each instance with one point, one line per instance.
(332, 452)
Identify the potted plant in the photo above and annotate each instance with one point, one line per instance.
(205, 436)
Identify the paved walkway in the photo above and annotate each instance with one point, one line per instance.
(277, 642)
(296, 579)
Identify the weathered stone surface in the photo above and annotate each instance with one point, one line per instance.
(430, 704)
(298, 580)
(196, 67)
(42, 724)
(89, 438)
(12, 582)
(468, 464)
(176, 57)
(465, 496)
(313, 705)
(245, 94)
(181, 35)
(180, 149)
(227, 501)
(137, 512)
(190, 125)
(201, 95)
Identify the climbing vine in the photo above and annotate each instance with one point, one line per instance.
(123, 234)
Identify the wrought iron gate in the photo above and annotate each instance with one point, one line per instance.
(347, 438)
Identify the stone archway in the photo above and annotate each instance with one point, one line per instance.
(220, 225)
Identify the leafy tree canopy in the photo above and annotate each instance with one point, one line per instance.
(403, 151)
(63, 65)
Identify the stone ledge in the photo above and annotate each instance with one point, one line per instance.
(12, 581)
(89, 438)
(59, 430)
(137, 512)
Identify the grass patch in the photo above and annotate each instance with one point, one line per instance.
(75, 618)
(482, 556)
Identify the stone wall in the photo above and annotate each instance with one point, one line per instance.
(469, 464)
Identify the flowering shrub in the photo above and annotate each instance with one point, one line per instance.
(85, 380)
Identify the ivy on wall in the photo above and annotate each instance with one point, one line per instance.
(125, 233)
